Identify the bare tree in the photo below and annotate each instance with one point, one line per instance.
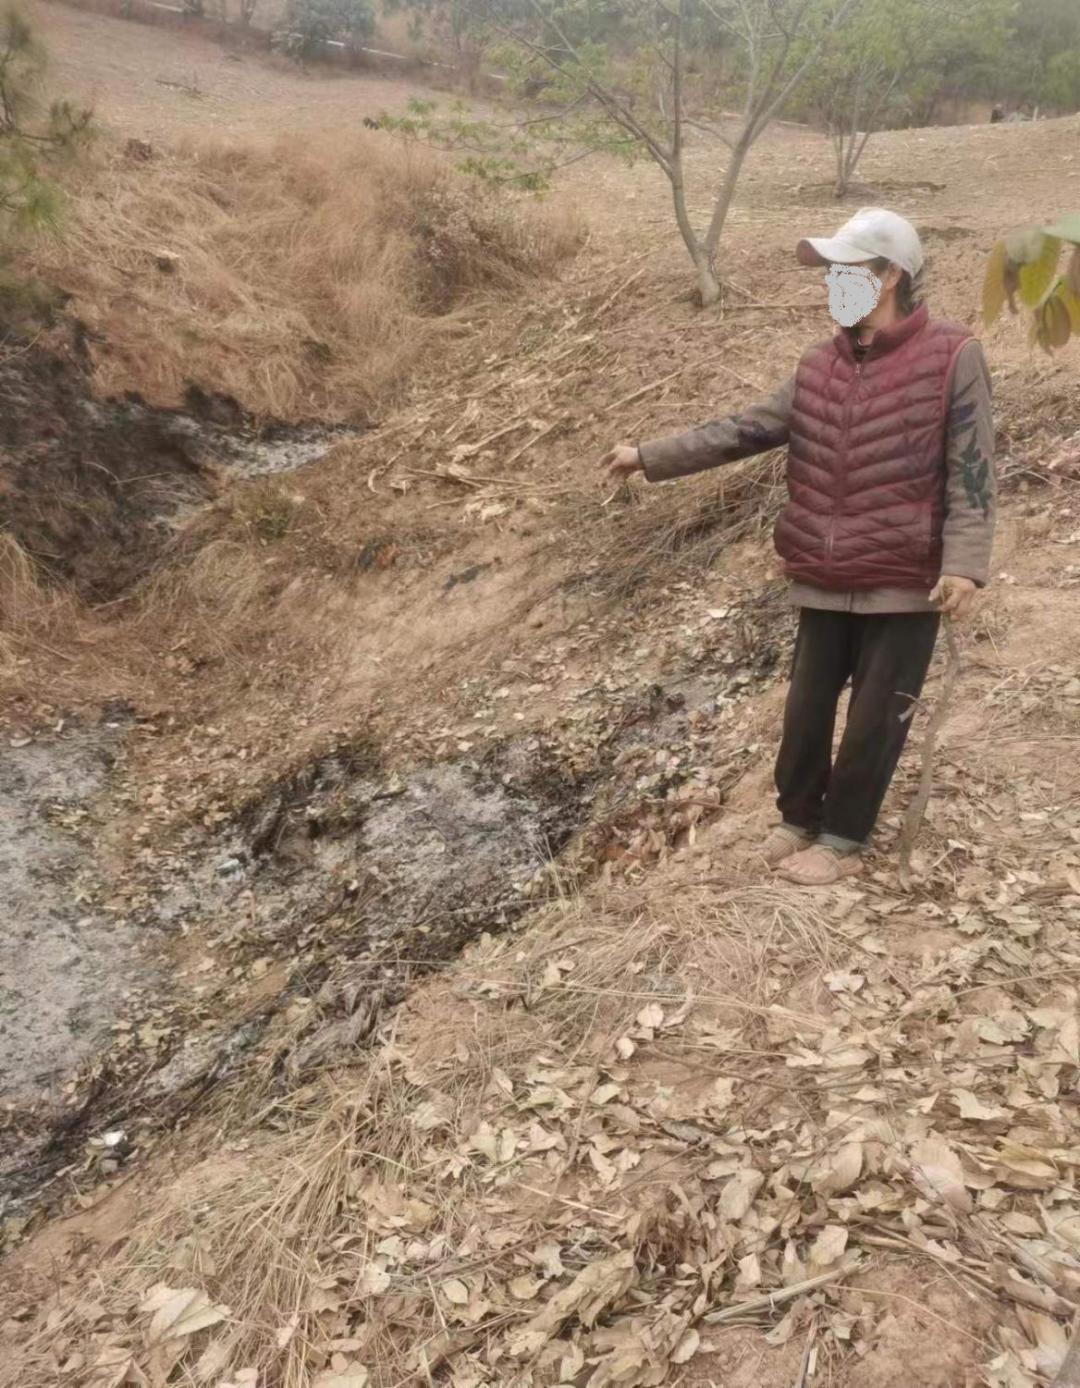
(850, 129)
(777, 43)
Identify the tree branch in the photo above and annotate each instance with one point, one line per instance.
(767, 113)
(724, 22)
(677, 91)
(615, 109)
(697, 124)
(541, 120)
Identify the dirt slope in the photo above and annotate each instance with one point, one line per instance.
(437, 685)
(165, 84)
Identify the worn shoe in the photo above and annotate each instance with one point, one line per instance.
(784, 841)
(820, 866)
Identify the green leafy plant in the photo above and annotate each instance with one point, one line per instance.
(1042, 63)
(1025, 271)
(517, 154)
(467, 29)
(889, 61)
(309, 25)
(633, 78)
(1061, 83)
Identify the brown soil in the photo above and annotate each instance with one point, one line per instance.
(162, 83)
(928, 1333)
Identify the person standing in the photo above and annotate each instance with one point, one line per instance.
(888, 526)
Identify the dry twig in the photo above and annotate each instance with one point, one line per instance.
(663, 380)
(804, 1367)
(768, 1300)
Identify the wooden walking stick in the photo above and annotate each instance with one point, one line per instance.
(917, 809)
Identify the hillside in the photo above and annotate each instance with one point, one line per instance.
(392, 971)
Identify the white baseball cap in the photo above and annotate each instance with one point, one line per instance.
(873, 232)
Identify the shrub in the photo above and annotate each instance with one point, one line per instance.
(310, 24)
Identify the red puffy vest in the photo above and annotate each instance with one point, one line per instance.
(866, 461)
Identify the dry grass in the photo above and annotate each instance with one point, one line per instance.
(29, 612)
(290, 1241)
(679, 532)
(264, 572)
(216, 592)
(307, 281)
(303, 282)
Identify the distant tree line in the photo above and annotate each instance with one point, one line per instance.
(642, 78)
(896, 60)
(1021, 53)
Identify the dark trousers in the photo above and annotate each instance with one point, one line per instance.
(886, 659)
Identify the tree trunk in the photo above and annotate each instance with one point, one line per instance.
(726, 195)
(708, 283)
(841, 171)
(845, 168)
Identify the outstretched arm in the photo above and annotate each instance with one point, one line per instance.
(756, 430)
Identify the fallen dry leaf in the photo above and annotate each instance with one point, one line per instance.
(212, 1360)
(651, 1016)
(178, 1312)
(346, 1378)
(687, 1347)
(839, 1171)
(1026, 1167)
(828, 1248)
(1048, 1336)
(938, 1171)
(971, 1106)
(243, 1378)
(738, 1195)
(595, 1288)
(455, 1291)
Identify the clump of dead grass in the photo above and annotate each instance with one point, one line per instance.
(216, 591)
(308, 280)
(30, 612)
(669, 533)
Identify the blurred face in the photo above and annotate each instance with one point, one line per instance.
(854, 293)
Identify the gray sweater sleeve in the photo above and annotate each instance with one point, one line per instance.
(756, 430)
(970, 488)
